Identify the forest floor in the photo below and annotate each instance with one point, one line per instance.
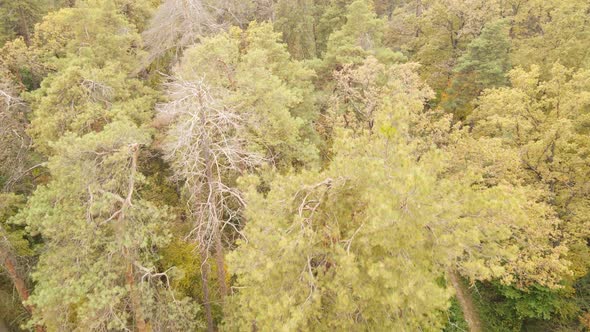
(3, 327)
(466, 302)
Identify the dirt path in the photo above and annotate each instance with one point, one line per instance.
(466, 303)
(3, 327)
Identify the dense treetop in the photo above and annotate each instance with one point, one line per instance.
(309, 165)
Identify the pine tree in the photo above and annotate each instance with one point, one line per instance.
(436, 33)
(97, 270)
(359, 37)
(545, 121)
(483, 66)
(297, 21)
(94, 50)
(363, 243)
(237, 101)
(18, 18)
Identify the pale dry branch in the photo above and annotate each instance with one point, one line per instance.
(207, 147)
(177, 24)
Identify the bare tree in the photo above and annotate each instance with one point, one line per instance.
(181, 23)
(15, 144)
(177, 24)
(207, 147)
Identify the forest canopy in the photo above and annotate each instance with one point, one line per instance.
(295, 165)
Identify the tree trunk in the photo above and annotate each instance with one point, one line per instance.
(220, 265)
(135, 300)
(128, 256)
(206, 295)
(19, 282)
(418, 14)
(24, 26)
(213, 214)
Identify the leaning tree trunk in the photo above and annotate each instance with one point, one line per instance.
(214, 215)
(128, 254)
(10, 265)
(220, 260)
(206, 294)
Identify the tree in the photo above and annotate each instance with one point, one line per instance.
(15, 165)
(549, 32)
(94, 50)
(545, 121)
(250, 107)
(375, 163)
(297, 21)
(15, 148)
(18, 19)
(100, 239)
(178, 24)
(254, 74)
(359, 37)
(364, 243)
(207, 149)
(359, 92)
(98, 268)
(484, 65)
(436, 33)
(137, 12)
(14, 249)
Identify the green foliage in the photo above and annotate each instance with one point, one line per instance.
(13, 235)
(505, 308)
(137, 12)
(358, 38)
(483, 65)
(254, 75)
(18, 18)
(364, 241)
(92, 233)
(494, 313)
(335, 246)
(12, 313)
(455, 320)
(345, 155)
(543, 120)
(92, 86)
(554, 31)
(23, 64)
(297, 21)
(101, 237)
(182, 259)
(435, 33)
(538, 303)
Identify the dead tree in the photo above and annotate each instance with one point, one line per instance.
(206, 146)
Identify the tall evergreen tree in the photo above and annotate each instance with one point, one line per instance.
(94, 51)
(546, 121)
(237, 101)
(484, 65)
(98, 268)
(362, 243)
(297, 21)
(360, 36)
